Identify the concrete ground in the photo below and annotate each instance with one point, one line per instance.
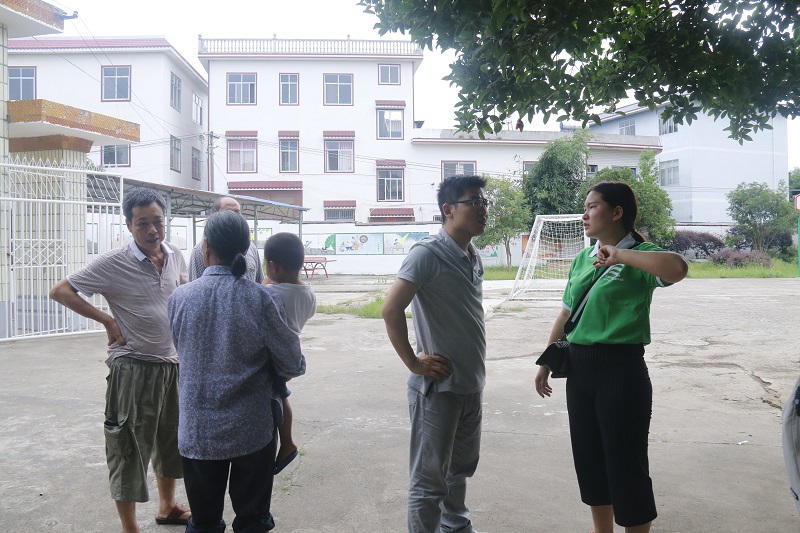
(723, 361)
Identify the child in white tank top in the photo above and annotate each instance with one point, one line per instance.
(283, 259)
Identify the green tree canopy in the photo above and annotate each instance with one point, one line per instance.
(655, 207)
(508, 216)
(794, 180)
(553, 185)
(761, 214)
(735, 59)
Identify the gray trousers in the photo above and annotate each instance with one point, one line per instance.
(445, 447)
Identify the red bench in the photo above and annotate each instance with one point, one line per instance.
(313, 263)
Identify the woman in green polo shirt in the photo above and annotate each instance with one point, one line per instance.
(609, 394)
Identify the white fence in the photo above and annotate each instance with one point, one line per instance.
(53, 219)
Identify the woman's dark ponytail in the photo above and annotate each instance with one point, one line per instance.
(239, 266)
(228, 237)
(638, 237)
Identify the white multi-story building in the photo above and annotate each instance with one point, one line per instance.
(325, 124)
(143, 80)
(330, 125)
(700, 164)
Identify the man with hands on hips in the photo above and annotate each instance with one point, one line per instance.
(442, 280)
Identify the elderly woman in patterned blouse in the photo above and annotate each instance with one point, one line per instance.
(229, 333)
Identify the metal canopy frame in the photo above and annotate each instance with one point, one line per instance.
(196, 204)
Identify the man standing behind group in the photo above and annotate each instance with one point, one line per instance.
(442, 279)
(196, 266)
(141, 413)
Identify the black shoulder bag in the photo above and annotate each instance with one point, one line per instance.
(556, 356)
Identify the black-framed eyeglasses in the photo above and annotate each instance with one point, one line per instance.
(475, 202)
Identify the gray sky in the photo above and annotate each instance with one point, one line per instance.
(180, 21)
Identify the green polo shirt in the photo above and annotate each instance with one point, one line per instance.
(618, 309)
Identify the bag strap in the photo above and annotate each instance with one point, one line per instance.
(578, 309)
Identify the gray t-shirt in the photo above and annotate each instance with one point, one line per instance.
(447, 310)
(299, 302)
(137, 295)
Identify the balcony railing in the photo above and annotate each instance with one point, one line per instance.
(307, 47)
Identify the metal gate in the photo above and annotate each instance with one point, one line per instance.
(53, 220)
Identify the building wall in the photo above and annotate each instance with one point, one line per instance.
(605, 158)
(344, 257)
(710, 163)
(311, 118)
(75, 79)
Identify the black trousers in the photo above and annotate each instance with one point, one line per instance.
(250, 490)
(610, 402)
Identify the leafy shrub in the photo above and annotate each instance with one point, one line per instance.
(707, 244)
(682, 242)
(702, 244)
(789, 254)
(783, 242)
(736, 258)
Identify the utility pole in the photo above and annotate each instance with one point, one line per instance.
(211, 139)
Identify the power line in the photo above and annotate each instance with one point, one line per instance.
(133, 93)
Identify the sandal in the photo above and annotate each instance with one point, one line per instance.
(175, 517)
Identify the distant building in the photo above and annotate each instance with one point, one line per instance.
(330, 124)
(700, 164)
(23, 19)
(142, 80)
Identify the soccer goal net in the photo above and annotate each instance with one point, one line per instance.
(554, 242)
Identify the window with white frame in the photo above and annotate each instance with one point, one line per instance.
(669, 172)
(241, 88)
(634, 170)
(389, 74)
(289, 89)
(390, 185)
(197, 109)
(338, 156)
(667, 126)
(591, 170)
(116, 83)
(527, 167)
(390, 123)
(116, 155)
(242, 155)
(174, 153)
(338, 89)
(175, 91)
(457, 168)
(289, 155)
(197, 165)
(341, 214)
(21, 83)
(627, 126)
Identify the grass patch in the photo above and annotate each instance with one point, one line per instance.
(499, 272)
(697, 269)
(369, 309)
(780, 269)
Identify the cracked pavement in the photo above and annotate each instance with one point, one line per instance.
(723, 361)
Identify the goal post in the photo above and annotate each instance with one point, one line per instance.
(555, 240)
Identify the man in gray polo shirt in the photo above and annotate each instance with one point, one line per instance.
(442, 279)
(196, 266)
(141, 414)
